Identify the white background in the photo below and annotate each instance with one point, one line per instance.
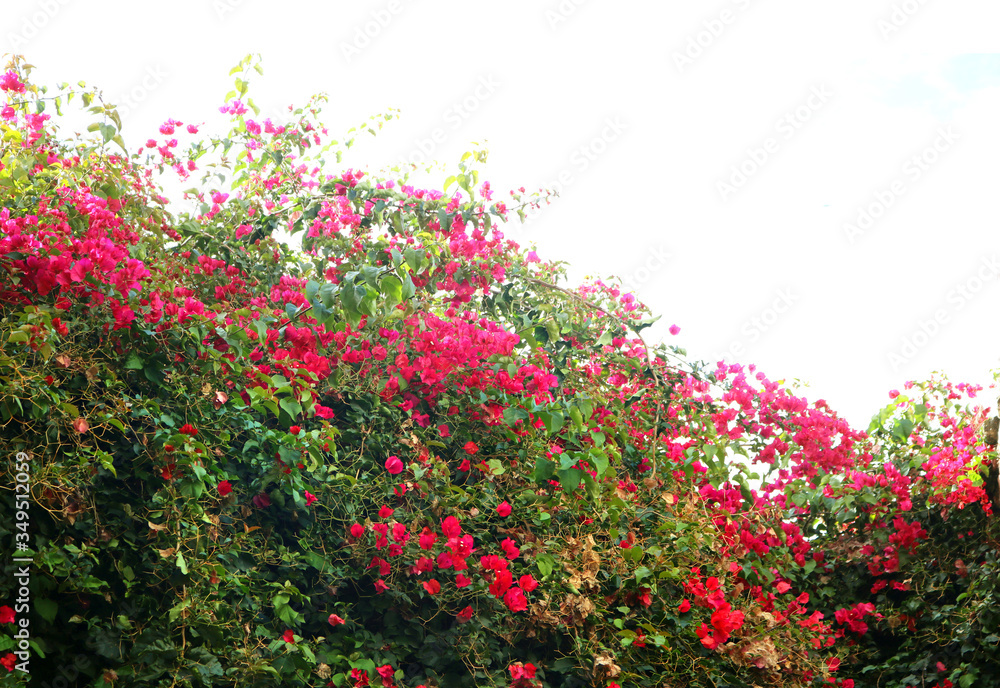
(693, 89)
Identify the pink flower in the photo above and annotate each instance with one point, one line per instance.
(11, 82)
(224, 488)
(427, 538)
(394, 465)
(515, 600)
(462, 581)
(387, 674)
(674, 329)
(192, 129)
(310, 498)
(527, 582)
(510, 549)
(335, 620)
(385, 512)
(380, 586)
(443, 429)
(504, 509)
(261, 501)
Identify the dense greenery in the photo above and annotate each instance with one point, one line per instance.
(398, 449)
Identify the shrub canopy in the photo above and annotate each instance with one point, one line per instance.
(397, 449)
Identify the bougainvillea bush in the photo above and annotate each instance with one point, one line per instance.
(329, 428)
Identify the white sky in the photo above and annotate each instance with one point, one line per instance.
(866, 96)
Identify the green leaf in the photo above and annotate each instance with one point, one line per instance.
(291, 407)
(46, 608)
(600, 460)
(570, 479)
(392, 287)
(414, 258)
(182, 563)
(546, 563)
(133, 362)
(544, 469)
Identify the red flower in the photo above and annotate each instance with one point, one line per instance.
(357, 530)
(310, 498)
(471, 447)
(224, 488)
(394, 465)
(188, 429)
(510, 549)
(443, 429)
(385, 512)
(464, 615)
(706, 637)
(504, 509)
(295, 429)
(684, 606)
(6, 615)
(335, 620)
(465, 466)
(262, 501)
(515, 600)
(451, 527)
(519, 671)
(387, 674)
(289, 636)
(380, 586)
(432, 587)
(427, 538)
(360, 677)
(461, 581)
(9, 661)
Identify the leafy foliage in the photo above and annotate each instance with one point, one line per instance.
(396, 449)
